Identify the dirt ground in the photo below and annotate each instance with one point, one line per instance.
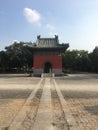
(80, 92)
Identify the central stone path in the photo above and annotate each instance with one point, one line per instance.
(44, 116)
(45, 109)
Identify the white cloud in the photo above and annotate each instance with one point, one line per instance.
(32, 16)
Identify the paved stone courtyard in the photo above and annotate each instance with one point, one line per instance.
(80, 92)
(14, 90)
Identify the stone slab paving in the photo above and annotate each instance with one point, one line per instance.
(44, 116)
(78, 96)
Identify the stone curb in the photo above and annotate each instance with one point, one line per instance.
(70, 119)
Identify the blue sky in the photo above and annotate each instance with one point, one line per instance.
(74, 21)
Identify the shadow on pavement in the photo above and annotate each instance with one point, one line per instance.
(79, 94)
(92, 109)
(15, 94)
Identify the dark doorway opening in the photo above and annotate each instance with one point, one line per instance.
(47, 67)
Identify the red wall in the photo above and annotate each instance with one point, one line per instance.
(39, 61)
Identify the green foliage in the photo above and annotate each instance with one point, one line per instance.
(94, 59)
(3, 60)
(17, 56)
(76, 60)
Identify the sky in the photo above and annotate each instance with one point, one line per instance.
(74, 21)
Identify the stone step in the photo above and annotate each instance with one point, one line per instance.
(47, 75)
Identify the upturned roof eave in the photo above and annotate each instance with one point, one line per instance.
(49, 48)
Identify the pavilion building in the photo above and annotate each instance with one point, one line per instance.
(47, 56)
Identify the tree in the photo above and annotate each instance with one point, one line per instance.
(83, 62)
(70, 59)
(94, 59)
(76, 60)
(4, 61)
(20, 56)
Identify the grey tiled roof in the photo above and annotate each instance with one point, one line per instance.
(47, 42)
(50, 44)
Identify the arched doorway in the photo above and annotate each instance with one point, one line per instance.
(47, 67)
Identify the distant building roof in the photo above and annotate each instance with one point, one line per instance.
(47, 42)
(50, 44)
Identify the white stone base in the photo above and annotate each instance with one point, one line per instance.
(38, 72)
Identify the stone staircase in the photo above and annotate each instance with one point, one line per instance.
(47, 75)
